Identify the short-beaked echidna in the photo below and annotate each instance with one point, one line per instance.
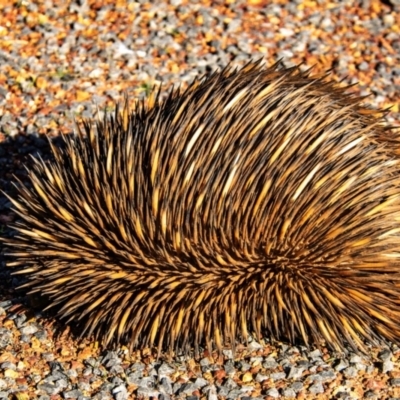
(258, 201)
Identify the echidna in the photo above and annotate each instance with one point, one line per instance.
(258, 201)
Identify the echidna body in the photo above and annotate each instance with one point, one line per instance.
(258, 201)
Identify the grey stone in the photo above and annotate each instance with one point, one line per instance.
(48, 356)
(342, 365)
(244, 366)
(297, 386)
(229, 368)
(350, 372)
(289, 393)
(270, 363)
(146, 382)
(254, 346)
(315, 355)
(61, 383)
(49, 388)
(295, 373)
(120, 392)
(187, 388)
(385, 355)
(72, 394)
(316, 388)
(200, 382)
(230, 384)
(166, 386)
(102, 395)
(278, 376)
(327, 375)
(135, 377)
(29, 329)
(355, 359)
(228, 354)
(204, 362)
(146, 392)
(395, 382)
(387, 366)
(273, 393)
(260, 377)
(165, 369)
(8, 365)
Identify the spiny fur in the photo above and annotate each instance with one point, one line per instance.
(259, 201)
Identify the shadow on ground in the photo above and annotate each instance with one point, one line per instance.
(16, 156)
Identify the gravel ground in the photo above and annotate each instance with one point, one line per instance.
(60, 60)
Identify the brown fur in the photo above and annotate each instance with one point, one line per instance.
(257, 201)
